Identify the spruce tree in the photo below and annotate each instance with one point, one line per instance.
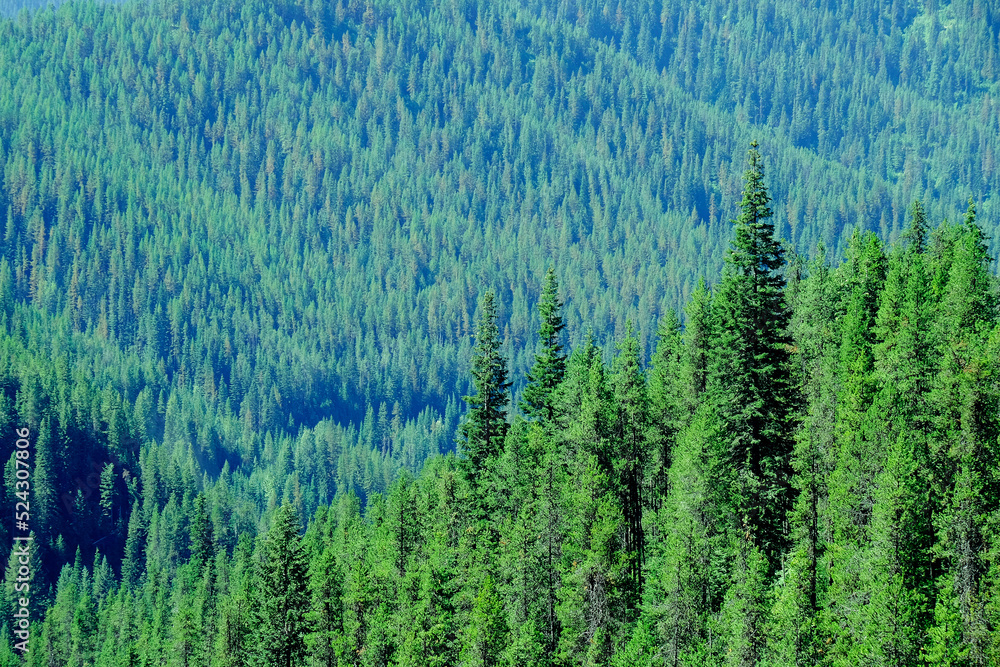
(631, 433)
(485, 425)
(284, 596)
(669, 399)
(687, 578)
(750, 378)
(134, 556)
(550, 363)
(965, 456)
(697, 343)
(815, 361)
(745, 609)
(202, 542)
(486, 635)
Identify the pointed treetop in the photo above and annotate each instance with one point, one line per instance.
(973, 228)
(485, 424)
(754, 249)
(918, 232)
(550, 363)
(970, 213)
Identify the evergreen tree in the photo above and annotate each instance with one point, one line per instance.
(750, 375)
(326, 615)
(688, 569)
(804, 575)
(746, 607)
(133, 560)
(486, 635)
(485, 424)
(550, 363)
(963, 453)
(238, 614)
(284, 596)
(669, 401)
(631, 451)
(202, 543)
(697, 344)
(107, 497)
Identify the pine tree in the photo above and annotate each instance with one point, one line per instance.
(856, 461)
(485, 425)
(43, 494)
(107, 497)
(687, 579)
(434, 638)
(550, 363)
(640, 650)
(631, 433)
(83, 632)
(815, 360)
(964, 457)
(549, 481)
(750, 372)
(284, 595)
(697, 343)
(202, 543)
(669, 402)
(238, 614)
(326, 614)
(897, 577)
(746, 607)
(133, 559)
(486, 636)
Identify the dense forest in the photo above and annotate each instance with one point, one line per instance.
(805, 474)
(255, 254)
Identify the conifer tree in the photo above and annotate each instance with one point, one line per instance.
(964, 456)
(325, 640)
(434, 636)
(485, 424)
(107, 497)
(815, 362)
(746, 606)
(632, 425)
(697, 342)
(668, 399)
(486, 636)
(202, 543)
(133, 560)
(687, 582)
(43, 493)
(851, 486)
(897, 576)
(750, 372)
(284, 595)
(238, 613)
(550, 363)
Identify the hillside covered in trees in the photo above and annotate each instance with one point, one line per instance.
(804, 475)
(254, 255)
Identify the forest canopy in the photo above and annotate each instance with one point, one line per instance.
(470, 333)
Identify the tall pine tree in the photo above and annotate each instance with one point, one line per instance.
(284, 592)
(750, 379)
(550, 362)
(485, 424)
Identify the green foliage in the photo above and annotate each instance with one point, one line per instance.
(283, 592)
(597, 533)
(485, 424)
(550, 363)
(486, 636)
(750, 381)
(242, 245)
